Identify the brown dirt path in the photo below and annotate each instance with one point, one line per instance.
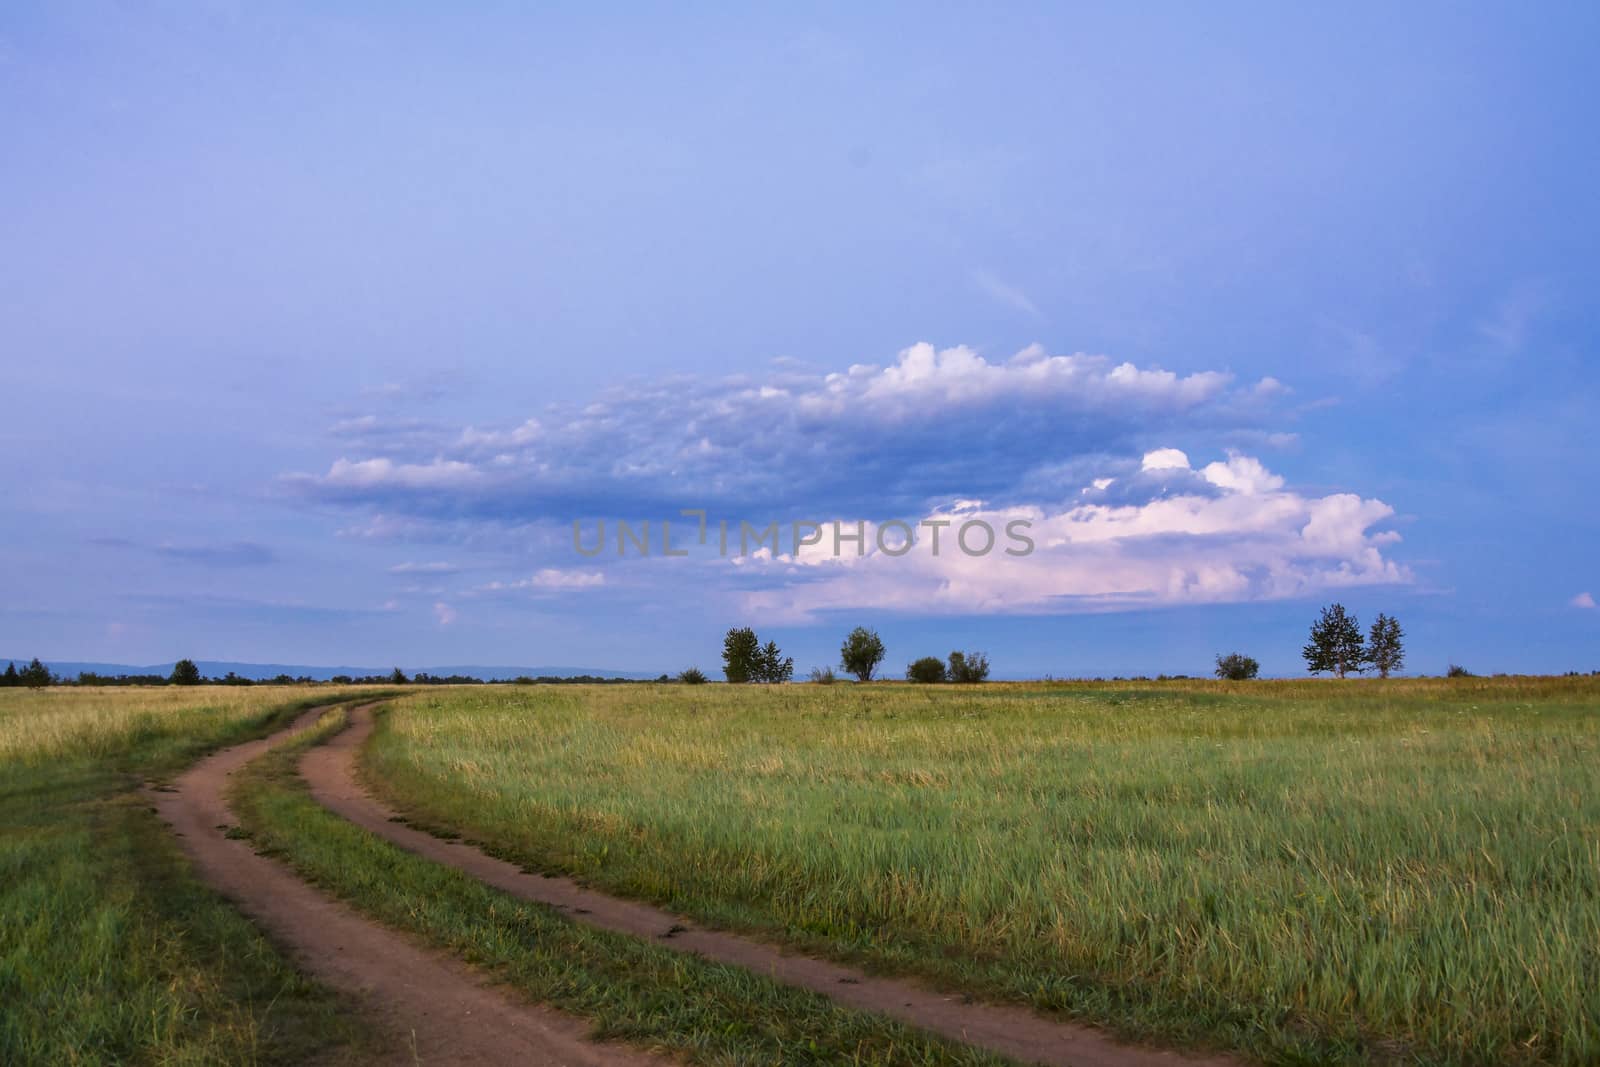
(426, 1008)
(330, 769)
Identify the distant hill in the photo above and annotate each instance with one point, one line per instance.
(261, 671)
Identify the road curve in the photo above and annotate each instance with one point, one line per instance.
(426, 1008)
(330, 770)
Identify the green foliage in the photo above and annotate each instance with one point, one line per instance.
(741, 655)
(35, 675)
(861, 653)
(927, 670)
(398, 677)
(772, 666)
(1384, 649)
(745, 659)
(11, 677)
(1235, 667)
(822, 676)
(1335, 643)
(968, 668)
(184, 672)
(692, 676)
(1457, 671)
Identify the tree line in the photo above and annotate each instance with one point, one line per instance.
(745, 660)
(1337, 646)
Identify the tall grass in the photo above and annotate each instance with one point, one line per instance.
(110, 952)
(1306, 871)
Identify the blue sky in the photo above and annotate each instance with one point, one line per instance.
(323, 324)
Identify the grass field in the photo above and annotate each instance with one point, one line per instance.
(1308, 872)
(630, 989)
(110, 952)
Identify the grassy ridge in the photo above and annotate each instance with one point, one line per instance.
(110, 952)
(707, 1013)
(1312, 872)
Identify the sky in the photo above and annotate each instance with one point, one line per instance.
(336, 333)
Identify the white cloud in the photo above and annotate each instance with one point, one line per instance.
(444, 614)
(438, 567)
(550, 579)
(1583, 600)
(1165, 459)
(1252, 540)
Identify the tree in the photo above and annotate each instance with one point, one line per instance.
(184, 672)
(398, 677)
(861, 653)
(1237, 668)
(11, 677)
(693, 676)
(968, 668)
(1384, 649)
(1335, 643)
(928, 670)
(35, 675)
(741, 655)
(772, 666)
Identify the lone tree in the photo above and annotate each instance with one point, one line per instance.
(11, 677)
(861, 653)
(1384, 650)
(1335, 643)
(1237, 668)
(968, 668)
(184, 672)
(398, 677)
(692, 676)
(35, 675)
(927, 670)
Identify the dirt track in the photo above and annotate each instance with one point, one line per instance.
(331, 771)
(428, 1008)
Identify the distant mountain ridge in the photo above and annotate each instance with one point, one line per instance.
(261, 671)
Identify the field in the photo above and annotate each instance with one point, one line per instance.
(1308, 872)
(1300, 872)
(109, 951)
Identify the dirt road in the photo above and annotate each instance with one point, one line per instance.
(330, 769)
(429, 1009)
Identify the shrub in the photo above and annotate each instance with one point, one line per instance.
(693, 676)
(968, 668)
(927, 670)
(1458, 671)
(1237, 668)
(822, 675)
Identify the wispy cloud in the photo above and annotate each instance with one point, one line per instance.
(1583, 600)
(1005, 293)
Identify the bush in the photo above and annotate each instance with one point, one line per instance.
(1458, 671)
(1237, 668)
(822, 675)
(968, 668)
(861, 653)
(693, 676)
(927, 670)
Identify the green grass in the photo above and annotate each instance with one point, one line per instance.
(1308, 872)
(110, 952)
(632, 990)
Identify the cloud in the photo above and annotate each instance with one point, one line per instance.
(444, 614)
(550, 579)
(222, 554)
(424, 568)
(1583, 600)
(1005, 293)
(931, 424)
(1244, 538)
